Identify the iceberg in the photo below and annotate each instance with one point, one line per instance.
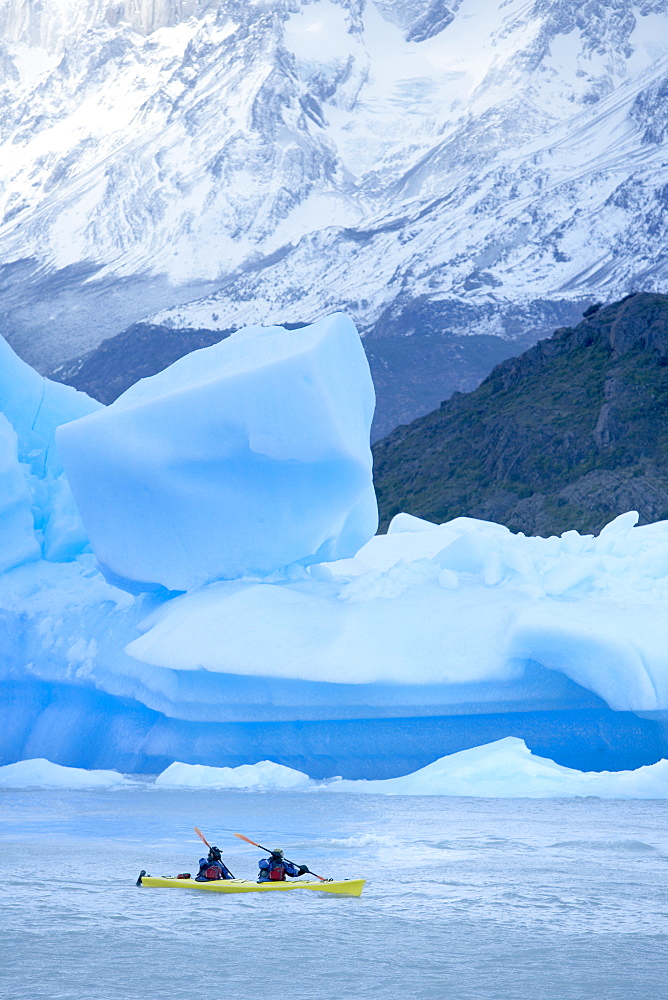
(503, 769)
(41, 773)
(508, 769)
(258, 617)
(265, 775)
(238, 460)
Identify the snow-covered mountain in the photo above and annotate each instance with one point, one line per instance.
(486, 165)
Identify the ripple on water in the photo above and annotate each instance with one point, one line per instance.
(631, 846)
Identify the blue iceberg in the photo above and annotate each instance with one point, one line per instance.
(216, 596)
(238, 460)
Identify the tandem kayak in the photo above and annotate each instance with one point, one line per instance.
(348, 887)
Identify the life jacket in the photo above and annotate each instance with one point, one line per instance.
(213, 872)
(276, 871)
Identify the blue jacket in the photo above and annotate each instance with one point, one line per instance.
(266, 865)
(204, 863)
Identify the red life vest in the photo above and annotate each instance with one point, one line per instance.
(213, 873)
(277, 873)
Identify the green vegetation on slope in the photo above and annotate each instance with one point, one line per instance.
(568, 435)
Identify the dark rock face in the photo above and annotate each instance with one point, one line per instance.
(650, 111)
(433, 21)
(138, 352)
(568, 435)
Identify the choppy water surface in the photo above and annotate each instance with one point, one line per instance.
(466, 898)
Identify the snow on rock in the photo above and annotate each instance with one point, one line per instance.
(41, 773)
(508, 769)
(488, 155)
(238, 460)
(263, 775)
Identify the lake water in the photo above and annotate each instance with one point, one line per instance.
(465, 898)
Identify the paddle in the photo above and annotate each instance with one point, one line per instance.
(202, 837)
(249, 841)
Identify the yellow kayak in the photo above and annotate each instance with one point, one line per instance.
(348, 887)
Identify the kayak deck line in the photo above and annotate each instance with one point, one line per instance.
(344, 887)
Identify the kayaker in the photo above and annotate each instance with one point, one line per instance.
(275, 868)
(212, 867)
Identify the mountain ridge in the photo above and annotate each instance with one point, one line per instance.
(272, 162)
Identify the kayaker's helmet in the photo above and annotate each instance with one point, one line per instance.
(214, 852)
(278, 853)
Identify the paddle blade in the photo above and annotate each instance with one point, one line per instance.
(247, 839)
(201, 836)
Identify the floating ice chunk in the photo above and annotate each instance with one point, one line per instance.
(508, 769)
(239, 459)
(503, 769)
(263, 775)
(41, 773)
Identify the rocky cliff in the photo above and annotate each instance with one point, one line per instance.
(568, 435)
